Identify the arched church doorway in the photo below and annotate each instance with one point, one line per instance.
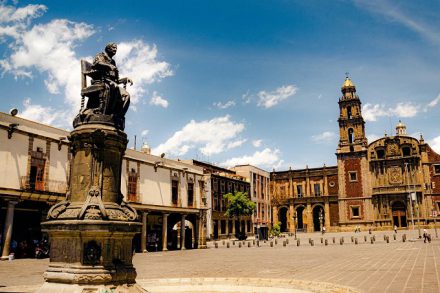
(318, 218)
(399, 214)
(283, 219)
(300, 218)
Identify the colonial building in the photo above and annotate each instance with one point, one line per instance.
(391, 181)
(260, 194)
(169, 195)
(224, 181)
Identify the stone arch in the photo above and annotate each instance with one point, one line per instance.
(283, 215)
(301, 218)
(318, 212)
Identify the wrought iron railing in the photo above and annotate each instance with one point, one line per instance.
(30, 184)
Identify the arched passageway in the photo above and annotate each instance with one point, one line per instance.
(282, 218)
(318, 218)
(399, 214)
(300, 225)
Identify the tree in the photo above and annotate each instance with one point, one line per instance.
(239, 205)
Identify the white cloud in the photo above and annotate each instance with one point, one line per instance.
(236, 143)
(392, 12)
(225, 105)
(158, 101)
(270, 99)
(268, 158)
(435, 144)
(326, 136)
(246, 98)
(210, 137)
(138, 61)
(403, 110)
(432, 104)
(257, 143)
(42, 114)
(144, 132)
(56, 59)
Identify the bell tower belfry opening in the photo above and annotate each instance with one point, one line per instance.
(354, 199)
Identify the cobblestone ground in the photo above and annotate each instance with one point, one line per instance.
(397, 266)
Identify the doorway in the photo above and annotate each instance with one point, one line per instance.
(318, 217)
(399, 214)
(283, 219)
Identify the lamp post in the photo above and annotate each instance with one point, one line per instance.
(320, 220)
(294, 222)
(410, 196)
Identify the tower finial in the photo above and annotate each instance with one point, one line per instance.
(347, 74)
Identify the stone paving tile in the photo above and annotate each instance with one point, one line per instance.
(379, 267)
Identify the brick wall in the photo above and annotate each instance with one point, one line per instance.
(353, 189)
(332, 190)
(358, 203)
(334, 214)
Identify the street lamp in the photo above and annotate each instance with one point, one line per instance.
(320, 219)
(294, 222)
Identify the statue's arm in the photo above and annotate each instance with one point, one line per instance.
(99, 63)
(125, 80)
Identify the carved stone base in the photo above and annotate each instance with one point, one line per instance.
(75, 288)
(90, 253)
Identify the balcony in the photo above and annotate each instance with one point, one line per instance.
(53, 186)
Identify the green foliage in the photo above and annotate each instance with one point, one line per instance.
(275, 230)
(238, 205)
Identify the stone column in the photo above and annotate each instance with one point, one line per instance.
(144, 232)
(182, 233)
(275, 215)
(165, 232)
(7, 232)
(292, 223)
(310, 225)
(201, 230)
(327, 215)
(233, 227)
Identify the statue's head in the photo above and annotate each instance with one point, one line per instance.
(111, 49)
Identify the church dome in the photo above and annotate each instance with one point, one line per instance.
(400, 128)
(347, 83)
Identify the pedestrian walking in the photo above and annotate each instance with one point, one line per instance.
(395, 229)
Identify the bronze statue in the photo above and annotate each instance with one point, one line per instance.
(107, 100)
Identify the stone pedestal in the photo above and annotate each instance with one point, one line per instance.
(91, 232)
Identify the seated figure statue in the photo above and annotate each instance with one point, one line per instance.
(107, 100)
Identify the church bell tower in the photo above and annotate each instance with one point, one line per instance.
(353, 174)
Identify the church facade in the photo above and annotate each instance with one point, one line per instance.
(392, 181)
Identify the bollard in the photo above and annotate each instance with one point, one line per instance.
(216, 244)
(223, 242)
(228, 245)
(233, 242)
(326, 242)
(298, 242)
(385, 237)
(322, 240)
(365, 238)
(264, 241)
(388, 239)
(372, 240)
(352, 238)
(249, 244)
(403, 237)
(312, 243)
(287, 241)
(253, 242)
(276, 241)
(239, 244)
(271, 244)
(356, 241)
(394, 236)
(310, 240)
(341, 241)
(374, 237)
(284, 243)
(334, 240)
(258, 243)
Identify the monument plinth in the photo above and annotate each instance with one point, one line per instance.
(91, 231)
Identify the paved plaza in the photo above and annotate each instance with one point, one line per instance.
(397, 266)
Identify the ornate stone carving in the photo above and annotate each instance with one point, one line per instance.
(395, 175)
(92, 253)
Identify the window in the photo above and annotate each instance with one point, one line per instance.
(174, 191)
(380, 154)
(317, 189)
(349, 114)
(299, 189)
(406, 151)
(132, 185)
(355, 212)
(350, 136)
(36, 175)
(437, 169)
(216, 202)
(352, 176)
(230, 226)
(190, 194)
(249, 226)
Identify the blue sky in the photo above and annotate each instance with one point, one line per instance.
(232, 82)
